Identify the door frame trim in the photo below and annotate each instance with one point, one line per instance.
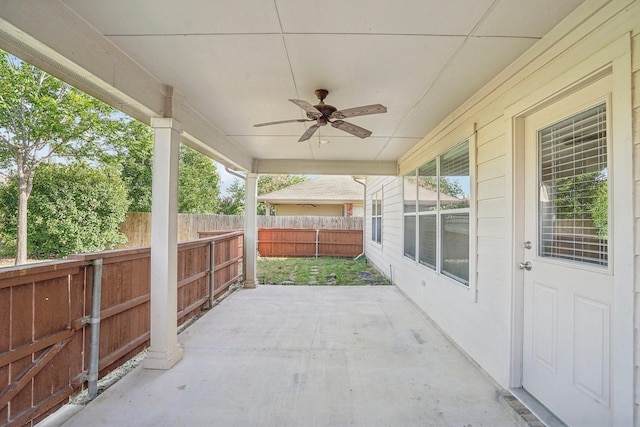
(615, 59)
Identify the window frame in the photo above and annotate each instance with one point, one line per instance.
(412, 211)
(376, 216)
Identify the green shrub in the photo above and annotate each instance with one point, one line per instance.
(73, 208)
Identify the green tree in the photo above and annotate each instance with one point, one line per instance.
(133, 155)
(233, 202)
(42, 117)
(270, 183)
(198, 189)
(584, 197)
(73, 208)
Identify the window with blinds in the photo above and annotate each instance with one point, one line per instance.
(376, 216)
(573, 188)
(440, 223)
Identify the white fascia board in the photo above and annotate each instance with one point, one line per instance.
(51, 37)
(309, 201)
(326, 167)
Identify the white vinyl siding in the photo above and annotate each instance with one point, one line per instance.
(479, 318)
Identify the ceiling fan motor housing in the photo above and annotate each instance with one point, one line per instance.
(326, 111)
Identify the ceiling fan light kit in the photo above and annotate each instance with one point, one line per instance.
(325, 113)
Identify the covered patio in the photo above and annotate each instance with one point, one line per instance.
(449, 90)
(293, 356)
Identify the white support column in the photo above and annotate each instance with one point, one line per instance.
(165, 350)
(250, 231)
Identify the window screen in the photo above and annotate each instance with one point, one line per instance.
(573, 188)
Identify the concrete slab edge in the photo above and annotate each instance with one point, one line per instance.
(61, 416)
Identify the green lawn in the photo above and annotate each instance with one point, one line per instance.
(323, 271)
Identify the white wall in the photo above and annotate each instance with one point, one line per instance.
(483, 326)
(317, 210)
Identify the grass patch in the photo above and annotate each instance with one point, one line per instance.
(323, 271)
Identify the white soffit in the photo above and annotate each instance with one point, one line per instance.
(237, 62)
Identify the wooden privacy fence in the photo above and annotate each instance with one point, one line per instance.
(49, 318)
(137, 226)
(281, 242)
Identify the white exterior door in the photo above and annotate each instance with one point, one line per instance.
(568, 257)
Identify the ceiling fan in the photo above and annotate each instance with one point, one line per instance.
(325, 113)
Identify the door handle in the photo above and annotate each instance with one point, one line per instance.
(526, 266)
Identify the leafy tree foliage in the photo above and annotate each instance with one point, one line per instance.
(73, 208)
(198, 180)
(42, 117)
(198, 189)
(233, 202)
(270, 183)
(584, 197)
(133, 155)
(448, 186)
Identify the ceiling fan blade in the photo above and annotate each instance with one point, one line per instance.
(308, 133)
(312, 112)
(282, 121)
(351, 128)
(359, 111)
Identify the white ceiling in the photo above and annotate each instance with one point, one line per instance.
(236, 62)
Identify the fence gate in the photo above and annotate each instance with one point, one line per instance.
(42, 318)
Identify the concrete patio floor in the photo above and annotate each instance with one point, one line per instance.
(307, 356)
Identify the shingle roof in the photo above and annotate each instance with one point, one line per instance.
(326, 188)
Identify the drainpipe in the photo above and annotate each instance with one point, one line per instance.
(234, 173)
(364, 216)
(94, 349)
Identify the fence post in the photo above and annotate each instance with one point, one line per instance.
(212, 271)
(94, 349)
(317, 239)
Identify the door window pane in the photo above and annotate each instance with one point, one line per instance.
(573, 189)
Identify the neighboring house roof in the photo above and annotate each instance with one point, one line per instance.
(324, 189)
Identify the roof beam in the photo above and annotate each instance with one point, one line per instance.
(326, 167)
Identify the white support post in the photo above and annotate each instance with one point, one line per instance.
(250, 231)
(164, 351)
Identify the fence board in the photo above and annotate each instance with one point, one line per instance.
(137, 226)
(44, 338)
(277, 242)
(35, 353)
